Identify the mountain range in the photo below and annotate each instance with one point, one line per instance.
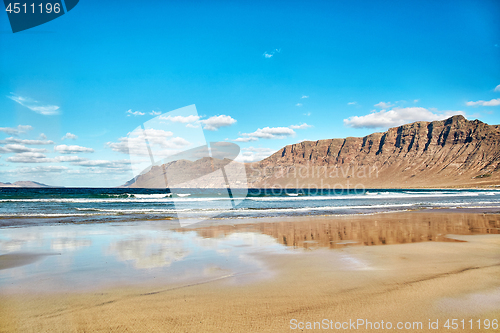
(454, 152)
(26, 183)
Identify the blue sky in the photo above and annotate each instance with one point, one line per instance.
(264, 73)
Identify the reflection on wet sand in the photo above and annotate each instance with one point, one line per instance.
(11, 260)
(149, 252)
(336, 232)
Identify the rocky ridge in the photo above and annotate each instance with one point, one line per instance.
(454, 152)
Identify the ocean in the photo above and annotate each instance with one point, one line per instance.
(98, 205)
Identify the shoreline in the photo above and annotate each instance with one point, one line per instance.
(397, 281)
(67, 220)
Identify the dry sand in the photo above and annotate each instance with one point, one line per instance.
(394, 283)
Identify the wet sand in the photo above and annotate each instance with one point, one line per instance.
(407, 278)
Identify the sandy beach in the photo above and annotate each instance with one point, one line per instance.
(411, 279)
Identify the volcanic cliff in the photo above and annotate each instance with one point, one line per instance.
(454, 152)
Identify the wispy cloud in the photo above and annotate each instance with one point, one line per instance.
(39, 169)
(301, 126)
(396, 117)
(64, 149)
(16, 130)
(268, 55)
(71, 158)
(305, 96)
(216, 122)
(155, 113)
(30, 157)
(352, 103)
(248, 139)
(497, 88)
(181, 119)
(33, 105)
(307, 114)
(134, 113)
(157, 139)
(384, 105)
(26, 142)
(252, 154)
(210, 124)
(103, 163)
(69, 136)
(19, 148)
(493, 102)
(271, 133)
(298, 104)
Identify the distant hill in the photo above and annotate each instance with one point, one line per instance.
(197, 174)
(454, 152)
(27, 183)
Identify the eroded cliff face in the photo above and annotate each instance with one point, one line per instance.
(452, 152)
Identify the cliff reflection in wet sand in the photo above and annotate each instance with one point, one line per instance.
(336, 232)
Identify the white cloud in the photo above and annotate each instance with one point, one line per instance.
(42, 169)
(245, 139)
(301, 126)
(352, 103)
(298, 104)
(69, 159)
(307, 114)
(396, 117)
(26, 142)
(134, 113)
(103, 163)
(30, 157)
(43, 136)
(69, 136)
(252, 154)
(497, 88)
(16, 131)
(493, 102)
(216, 122)
(210, 124)
(155, 113)
(268, 55)
(64, 149)
(304, 96)
(271, 133)
(156, 139)
(384, 105)
(46, 110)
(17, 148)
(181, 119)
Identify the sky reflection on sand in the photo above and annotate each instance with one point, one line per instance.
(91, 256)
